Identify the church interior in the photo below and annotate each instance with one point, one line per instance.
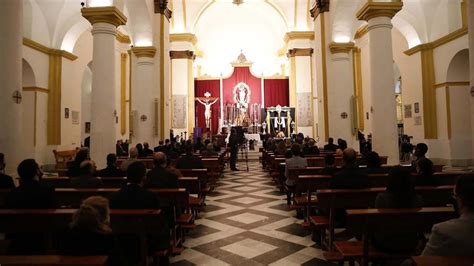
(224, 132)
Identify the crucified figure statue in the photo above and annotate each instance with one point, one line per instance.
(207, 102)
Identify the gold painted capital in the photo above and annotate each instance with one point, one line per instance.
(182, 55)
(300, 52)
(379, 9)
(299, 35)
(161, 7)
(183, 37)
(123, 38)
(345, 47)
(144, 51)
(109, 14)
(319, 7)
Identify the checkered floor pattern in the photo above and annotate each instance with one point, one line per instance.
(247, 222)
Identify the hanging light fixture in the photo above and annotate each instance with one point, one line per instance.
(237, 2)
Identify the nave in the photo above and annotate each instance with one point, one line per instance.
(247, 222)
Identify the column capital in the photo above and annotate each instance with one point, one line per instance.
(161, 7)
(345, 47)
(144, 51)
(299, 35)
(109, 15)
(183, 37)
(320, 6)
(300, 52)
(378, 9)
(182, 55)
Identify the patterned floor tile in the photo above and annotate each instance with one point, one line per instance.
(246, 221)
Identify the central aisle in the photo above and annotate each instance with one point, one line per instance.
(246, 221)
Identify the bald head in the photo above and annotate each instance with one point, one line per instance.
(159, 159)
(133, 152)
(349, 156)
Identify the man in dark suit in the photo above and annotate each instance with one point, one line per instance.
(159, 176)
(330, 146)
(111, 170)
(350, 176)
(160, 148)
(134, 196)
(234, 149)
(86, 179)
(30, 194)
(189, 160)
(6, 181)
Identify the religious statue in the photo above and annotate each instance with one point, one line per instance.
(207, 101)
(242, 99)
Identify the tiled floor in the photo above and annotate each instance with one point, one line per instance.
(247, 221)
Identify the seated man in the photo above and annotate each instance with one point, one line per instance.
(189, 161)
(425, 171)
(294, 162)
(146, 149)
(30, 194)
(420, 151)
(350, 176)
(160, 148)
(373, 162)
(330, 146)
(329, 165)
(111, 170)
(160, 176)
(134, 196)
(454, 237)
(133, 157)
(73, 167)
(6, 181)
(86, 179)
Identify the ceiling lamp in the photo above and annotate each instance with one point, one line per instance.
(237, 2)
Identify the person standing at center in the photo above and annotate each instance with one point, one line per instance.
(233, 144)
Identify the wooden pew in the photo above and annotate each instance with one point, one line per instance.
(52, 221)
(53, 260)
(214, 168)
(443, 261)
(65, 182)
(202, 174)
(193, 186)
(368, 222)
(148, 161)
(332, 199)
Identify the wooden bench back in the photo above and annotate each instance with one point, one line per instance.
(373, 221)
(173, 197)
(191, 184)
(53, 260)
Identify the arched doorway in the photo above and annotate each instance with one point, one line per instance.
(459, 116)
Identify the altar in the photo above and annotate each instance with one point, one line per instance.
(239, 100)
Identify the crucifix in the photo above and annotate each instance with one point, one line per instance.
(17, 97)
(207, 101)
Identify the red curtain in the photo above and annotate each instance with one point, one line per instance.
(242, 74)
(276, 92)
(213, 87)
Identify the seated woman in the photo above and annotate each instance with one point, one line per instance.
(425, 171)
(400, 193)
(90, 232)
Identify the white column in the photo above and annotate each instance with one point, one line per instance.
(341, 87)
(143, 97)
(11, 32)
(383, 107)
(182, 89)
(103, 127)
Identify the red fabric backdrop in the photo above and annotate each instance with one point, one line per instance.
(276, 92)
(213, 87)
(242, 74)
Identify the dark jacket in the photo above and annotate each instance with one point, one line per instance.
(330, 147)
(86, 182)
(350, 177)
(133, 196)
(6, 181)
(31, 195)
(189, 162)
(313, 150)
(84, 242)
(427, 180)
(160, 177)
(73, 169)
(111, 171)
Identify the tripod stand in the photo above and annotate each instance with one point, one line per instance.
(244, 153)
